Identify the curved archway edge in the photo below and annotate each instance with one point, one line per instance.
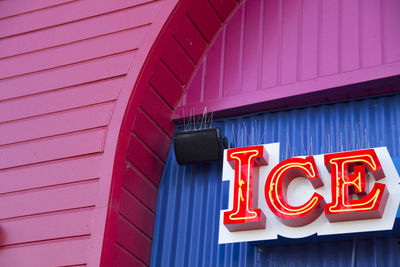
(166, 61)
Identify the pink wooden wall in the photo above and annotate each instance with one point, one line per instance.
(87, 91)
(274, 49)
(145, 142)
(63, 66)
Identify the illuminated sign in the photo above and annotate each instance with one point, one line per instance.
(243, 216)
(345, 192)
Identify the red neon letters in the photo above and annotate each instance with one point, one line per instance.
(348, 171)
(275, 191)
(243, 216)
(351, 199)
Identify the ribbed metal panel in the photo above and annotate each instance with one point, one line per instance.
(190, 197)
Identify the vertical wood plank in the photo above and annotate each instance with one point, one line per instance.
(309, 40)
(251, 46)
(194, 91)
(391, 16)
(213, 70)
(350, 35)
(271, 43)
(371, 33)
(290, 34)
(233, 53)
(329, 63)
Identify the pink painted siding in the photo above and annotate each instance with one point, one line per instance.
(273, 49)
(62, 66)
(87, 92)
(173, 60)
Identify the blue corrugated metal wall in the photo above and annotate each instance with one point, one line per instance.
(191, 197)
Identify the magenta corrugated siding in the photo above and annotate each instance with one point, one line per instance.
(274, 49)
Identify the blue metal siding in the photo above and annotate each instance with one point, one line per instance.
(190, 197)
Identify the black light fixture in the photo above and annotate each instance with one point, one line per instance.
(199, 145)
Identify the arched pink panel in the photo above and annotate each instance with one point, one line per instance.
(87, 89)
(146, 130)
(67, 69)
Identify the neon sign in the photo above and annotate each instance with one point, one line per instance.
(278, 179)
(242, 216)
(371, 205)
(342, 192)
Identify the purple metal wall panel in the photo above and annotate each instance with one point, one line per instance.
(273, 49)
(191, 196)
